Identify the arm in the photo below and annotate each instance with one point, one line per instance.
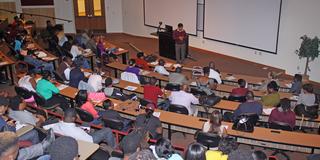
(194, 100)
(53, 88)
(175, 35)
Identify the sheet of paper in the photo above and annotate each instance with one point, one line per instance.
(156, 114)
(131, 88)
(154, 63)
(265, 68)
(193, 83)
(289, 85)
(267, 111)
(145, 72)
(294, 98)
(86, 74)
(168, 64)
(177, 65)
(62, 86)
(230, 78)
(120, 49)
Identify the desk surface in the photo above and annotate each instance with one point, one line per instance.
(110, 45)
(50, 57)
(5, 60)
(86, 149)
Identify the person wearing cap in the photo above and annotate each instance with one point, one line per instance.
(149, 122)
(141, 63)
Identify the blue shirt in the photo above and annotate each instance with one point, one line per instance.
(134, 70)
(17, 45)
(5, 127)
(248, 107)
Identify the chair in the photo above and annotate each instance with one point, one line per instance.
(113, 123)
(84, 115)
(40, 101)
(210, 140)
(144, 102)
(131, 77)
(237, 98)
(178, 109)
(197, 92)
(172, 87)
(22, 92)
(58, 77)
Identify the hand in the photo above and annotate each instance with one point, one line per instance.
(11, 123)
(181, 38)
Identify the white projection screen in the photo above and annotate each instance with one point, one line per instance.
(171, 12)
(248, 23)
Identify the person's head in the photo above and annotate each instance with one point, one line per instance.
(81, 97)
(70, 115)
(162, 62)
(242, 83)
(195, 151)
(107, 104)
(4, 102)
(180, 26)
(206, 71)
(64, 148)
(297, 78)
(67, 60)
(164, 148)
(46, 75)
(215, 120)
(227, 145)
(132, 62)
(153, 81)
(149, 110)
(19, 38)
(250, 96)
(259, 155)
(185, 87)
(145, 154)
(48, 22)
(132, 142)
(178, 70)
(22, 16)
(285, 104)
(212, 65)
(17, 104)
(140, 55)
(9, 147)
(108, 82)
(16, 18)
(307, 88)
(272, 87)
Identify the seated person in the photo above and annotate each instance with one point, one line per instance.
(28, 82)
(185, 99)
(178, 77)
(132, 67)
(195, 151)
(250, 106)
(206, 84)
(38, 64)
(86, 104)
(163, 149)
(76, 75)
(108, 51)
(152, 92)
(67, 127)
(95, 80)
(296, 84)
(272, 76)
(214, 124)
(64, 148)
(283, 114)
(18, 43)
(141, 63)
(160, 68)
(65, 68)
(272, 98)
(77, 53)
(241, 91)
(110, 91)
(214, 73)
(91, 44)
(307, 97)
(149, 122)
(50, 92)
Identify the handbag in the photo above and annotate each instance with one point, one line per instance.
(245, 123)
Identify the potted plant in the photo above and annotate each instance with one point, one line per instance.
(309, 49)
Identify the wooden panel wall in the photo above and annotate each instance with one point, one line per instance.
(40, 21)
(8, 6)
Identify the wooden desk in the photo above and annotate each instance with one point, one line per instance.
(50, 58)
(86, 149)
(123, 52)
(24, 130)
(8, 63)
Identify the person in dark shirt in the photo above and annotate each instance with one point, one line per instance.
(149, 122)
(141, 63)
(76, 75)
(180, 36)
(152, 92)
(241, 90)
(132, 68)
(296, 85)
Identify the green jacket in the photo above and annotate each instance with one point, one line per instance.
(46, 89)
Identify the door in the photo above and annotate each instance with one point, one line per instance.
(90, 14)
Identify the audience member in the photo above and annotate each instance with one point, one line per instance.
(9, 147)
(28, 82)
(259, 155)
(283, 114)
(140, 62)
(91, 44)
(241, 154)
(65, 68)
(206, 84)
(76, 75)
(152, 92)
(195, 151)
(214, 73)
(160, 68)
(185, 99)
(149, 122)
(95, 80)
(307, 97)
(178, 77)
(67, 127)
(110, 91)
(272, 98)
(38, 64)
(241, 90)
(296, 84)
(163, 150)
(64, 148)
(18, 43)
(49, 28)
(214, 124)
(132, 68)
(6, 124)
(86, 104)
(50, 92)
(145, 154)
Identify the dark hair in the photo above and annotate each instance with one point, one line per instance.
(108, 81)
(70, 113)
(308, 87)
(180, 25)
(46, 75)
(212, 65)
(242, 83)
(178, 70)
(162, 62)
(215, 120)
(63, 148)
(140, 54)
(259, 155)
(285, 104)
(132, 62)
(273, 85)
(14, 103)
(106, 104)
(227, 145)
(249, 95)
(19, 37)
(48, 21)
(153, 81)
(81, 97)
(164, 148)
(206, 70)
(298, 78)
(195, 151)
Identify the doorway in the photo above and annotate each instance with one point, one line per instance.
(90, 15)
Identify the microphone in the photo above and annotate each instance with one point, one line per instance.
(159, 27)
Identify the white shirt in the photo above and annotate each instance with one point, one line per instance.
(185, 99)
(24, 82)
(75, 51)
(161, 70)
(69, 129)
(95, 81)
(66, 73)
(215, 75)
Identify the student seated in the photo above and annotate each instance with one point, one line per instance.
(206, 84)
(132, 68)
(76, 75)
(68, 127)
(28, 82)
(195, 151)
(141, 63)
(95, 80)
(77, 53)
(272, 98)
(241, 91)
(214, 73)
(38, 64)
(152, 92)
(65, 68)
(178, 77)
(214, 125)
(112, 92)
(50, 92)
(149, 122)
(283, 114)
(296, 84)
(160, 68)
(307, 97)
(163, 150)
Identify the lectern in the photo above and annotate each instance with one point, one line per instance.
(167, 45)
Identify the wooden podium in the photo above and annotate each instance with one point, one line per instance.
(167, 45)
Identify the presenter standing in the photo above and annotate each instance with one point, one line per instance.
(180, 36)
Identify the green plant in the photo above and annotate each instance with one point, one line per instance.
(309, 49)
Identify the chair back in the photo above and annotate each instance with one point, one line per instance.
(178, 109)
(197, 92)
(172, 87)
(144, 102)
(113, 123)
(237, 98)
(22, 92)
(40, 101)
(58, 77)
(280, 125)
(84, 115)
(210, 140)
(131, 77)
